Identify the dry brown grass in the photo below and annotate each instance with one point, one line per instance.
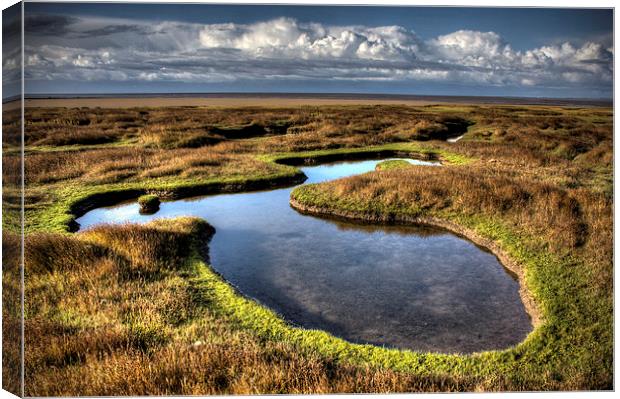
(11, 127)
(79, 126)
(127, 164)
(573, 147)
(194, 127)
(11, 313)
(11, 253)
(112, 311)
(568, 219)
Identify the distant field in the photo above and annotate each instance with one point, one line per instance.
(288, 99)
(201, 102)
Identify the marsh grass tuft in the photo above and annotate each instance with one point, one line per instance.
(149, 203)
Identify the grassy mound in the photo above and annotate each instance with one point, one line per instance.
(392, 164)
(149, 203)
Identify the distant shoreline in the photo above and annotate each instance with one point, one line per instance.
(283, 99)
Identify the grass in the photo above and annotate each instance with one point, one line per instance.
(11, 313)
(149, 203)
(415, 149)
(135, 310)
(392, 164)
(64, 202)
(11, 254)
(115, 311)
(190, 127)
(562, 238)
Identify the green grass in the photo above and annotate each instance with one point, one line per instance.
(58, 214)
(573, 344)
(413, 149)
(571, 348)
(148, 202)
(546, 349)
(392, 164)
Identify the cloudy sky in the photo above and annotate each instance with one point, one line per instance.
(104, 48)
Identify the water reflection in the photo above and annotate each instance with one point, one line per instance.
(414, 287)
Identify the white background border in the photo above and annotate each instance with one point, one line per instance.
(463, 3)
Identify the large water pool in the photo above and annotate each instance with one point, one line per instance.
(418, 287)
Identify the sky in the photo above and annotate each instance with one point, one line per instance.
(177, 48)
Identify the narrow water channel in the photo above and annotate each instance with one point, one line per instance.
(414, 287)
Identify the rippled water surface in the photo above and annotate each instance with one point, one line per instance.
(420, 288)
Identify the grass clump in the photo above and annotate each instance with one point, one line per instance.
(149, 203)
(392, 164)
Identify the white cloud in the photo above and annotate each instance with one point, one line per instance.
(471, 45)
(82, 61)
(98, 48)
(528, 82)
(286, 37)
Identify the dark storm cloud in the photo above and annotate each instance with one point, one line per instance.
(114, 29)
(70, 27)
(46, 24)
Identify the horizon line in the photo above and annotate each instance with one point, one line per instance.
(331, 95)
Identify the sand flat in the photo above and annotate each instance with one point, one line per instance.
(271, 100)
(211, 102)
